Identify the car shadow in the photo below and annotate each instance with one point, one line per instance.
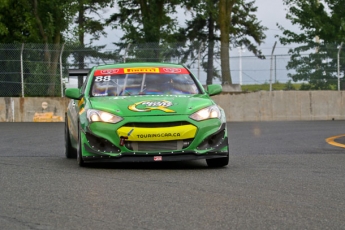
(171, 165)
(190, 165)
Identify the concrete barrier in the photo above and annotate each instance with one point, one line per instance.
(32, 109)
(283, 105)
(256, 106)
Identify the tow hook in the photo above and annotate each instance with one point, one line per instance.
(122, 140)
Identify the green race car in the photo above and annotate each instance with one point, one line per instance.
(143, 112)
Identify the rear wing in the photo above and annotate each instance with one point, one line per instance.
(80, 73)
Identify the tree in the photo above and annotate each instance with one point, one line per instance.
(200, 33)
(232, 13)
(89, 25)
(322, 31)
(225, 14)
(3, 28)
(145, 22)
(40, 22)
(17, 22)
(51, 23)
(242, 29)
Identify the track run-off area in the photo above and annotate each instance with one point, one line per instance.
(281, 175)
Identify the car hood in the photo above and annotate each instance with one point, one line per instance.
(151, 105)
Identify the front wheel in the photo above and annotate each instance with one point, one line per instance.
(70, 152)
(218, 162)
(80, 160)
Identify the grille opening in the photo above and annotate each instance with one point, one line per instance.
(157, 145)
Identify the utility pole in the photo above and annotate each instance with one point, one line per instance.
(339, 65)
(240, 50)
(274, 46)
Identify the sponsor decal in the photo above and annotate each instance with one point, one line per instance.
(81, 106)
(105, 72)
(172, 70)
(157, 135)
(157, 158)
(109, 71)
(81, 111)
(46, 116)
(81, 103)
(134, 70)
(141, 70)
(147, 106)
(130, 132)
(169, 70)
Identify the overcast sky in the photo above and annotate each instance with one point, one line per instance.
(270, 12)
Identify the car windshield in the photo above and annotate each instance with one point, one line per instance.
(143, 84)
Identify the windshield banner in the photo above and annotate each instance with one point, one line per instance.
(135, 70)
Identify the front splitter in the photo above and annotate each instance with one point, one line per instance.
(130, 157)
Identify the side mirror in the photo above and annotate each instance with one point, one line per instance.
(214, 89)
(73, 93)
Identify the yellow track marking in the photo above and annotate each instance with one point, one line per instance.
(331, 141)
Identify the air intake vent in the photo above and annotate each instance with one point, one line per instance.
(155, 124)
(155, 145)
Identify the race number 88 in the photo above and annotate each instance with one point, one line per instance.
(102, 78)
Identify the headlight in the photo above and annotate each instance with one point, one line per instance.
(206, 113)
(97, 115)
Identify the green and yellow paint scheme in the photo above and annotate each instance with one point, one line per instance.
(126, 113)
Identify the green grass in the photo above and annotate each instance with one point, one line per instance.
(275, 86)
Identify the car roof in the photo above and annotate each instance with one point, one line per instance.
(139, 64)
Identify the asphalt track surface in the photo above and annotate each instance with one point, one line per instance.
(282, 175)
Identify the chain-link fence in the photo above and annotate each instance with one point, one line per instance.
(34, 70)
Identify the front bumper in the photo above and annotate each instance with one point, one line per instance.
(101, 143)
(154, 157)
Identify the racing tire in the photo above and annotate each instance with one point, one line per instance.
(80, 160)
(218, 162)
(70, 152)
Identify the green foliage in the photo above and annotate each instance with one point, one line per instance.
(305, 87)
(245, 30)
(151, 22)
(16, 22)
(9, 75)
(318, 67)
(3, 28)
(322, 31)
(289, 86)
(148, 22)
(266, 87)
(50, 22)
